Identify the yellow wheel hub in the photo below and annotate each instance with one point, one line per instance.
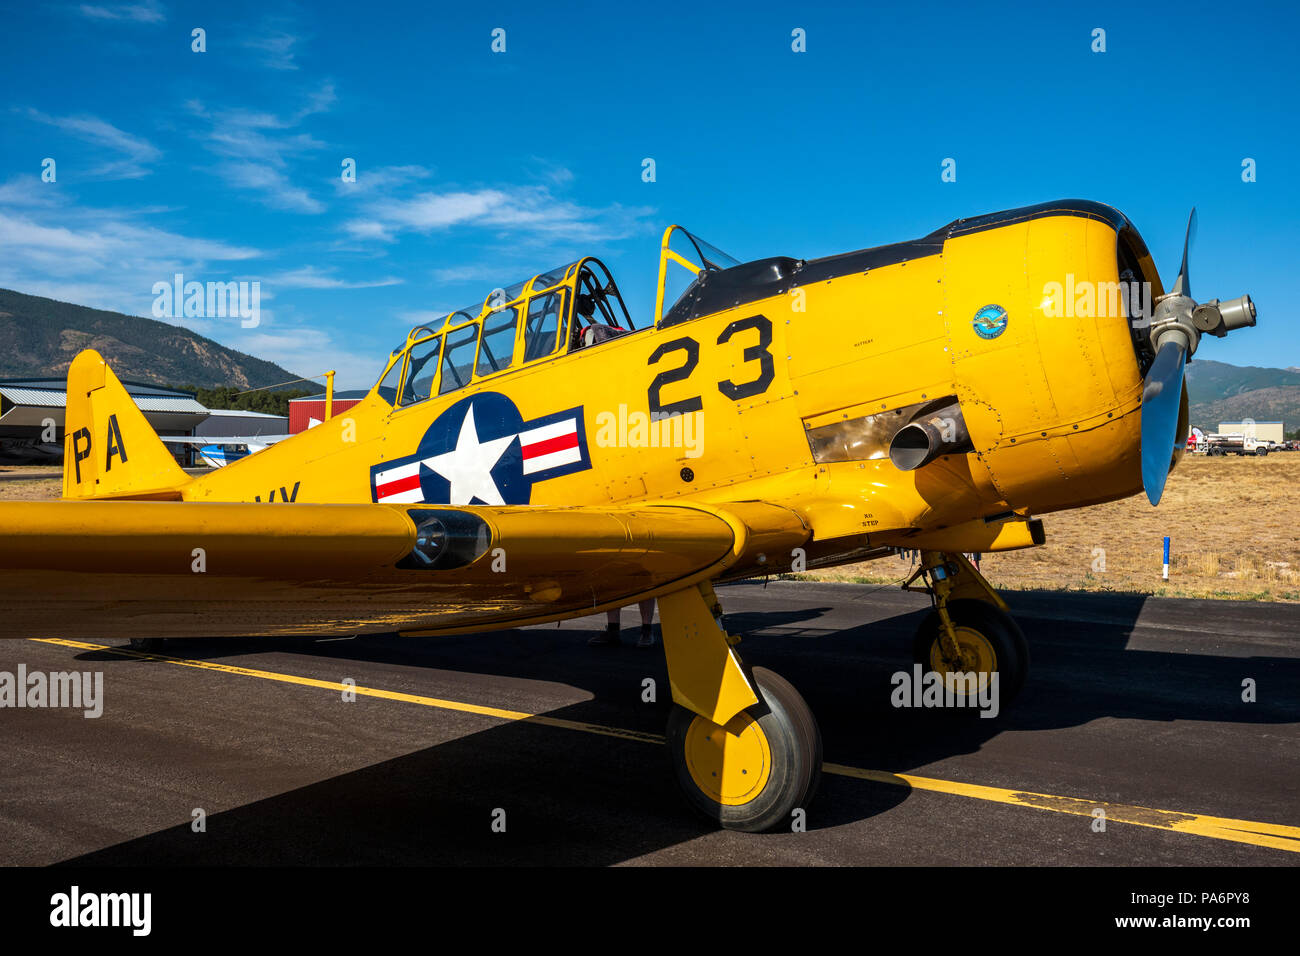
(976, 655)
(730, 764)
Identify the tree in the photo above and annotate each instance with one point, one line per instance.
(267, 401)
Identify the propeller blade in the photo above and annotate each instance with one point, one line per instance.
(1162, 392)
(1182, 285)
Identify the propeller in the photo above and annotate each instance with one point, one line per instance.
(1162, 391)
(1182, 286)
(1175, 331)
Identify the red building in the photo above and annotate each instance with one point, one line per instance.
(304, 412)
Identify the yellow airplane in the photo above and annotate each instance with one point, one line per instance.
(537, 457)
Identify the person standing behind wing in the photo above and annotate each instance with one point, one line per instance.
(610, 635)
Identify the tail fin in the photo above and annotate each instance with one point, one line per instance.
(109, 450)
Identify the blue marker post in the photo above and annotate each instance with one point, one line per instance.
(1166, 574)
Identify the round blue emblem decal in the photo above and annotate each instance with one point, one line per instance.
(990, 321)
(480, 450)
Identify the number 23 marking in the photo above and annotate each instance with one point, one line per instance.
(758, 352)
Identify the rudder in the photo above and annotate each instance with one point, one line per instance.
(109, 449)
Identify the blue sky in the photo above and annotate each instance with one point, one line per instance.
(475, 168)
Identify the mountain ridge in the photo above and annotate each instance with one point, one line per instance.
(39, 338)
(1219, 392)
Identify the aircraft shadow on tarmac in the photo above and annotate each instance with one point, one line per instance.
(578, 798)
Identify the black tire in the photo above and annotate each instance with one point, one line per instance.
(146, 643)
(795, 749)
(999, 629)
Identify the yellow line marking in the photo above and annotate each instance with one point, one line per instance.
(368, 691)
(1274, 835)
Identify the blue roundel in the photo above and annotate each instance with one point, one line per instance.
(990, 321)
(480, 450)
(495, 422)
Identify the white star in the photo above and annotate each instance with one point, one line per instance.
(469, 465)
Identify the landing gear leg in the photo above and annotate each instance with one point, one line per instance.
(969, 630)
(744, 746)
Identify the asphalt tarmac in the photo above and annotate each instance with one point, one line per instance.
(1133, 706)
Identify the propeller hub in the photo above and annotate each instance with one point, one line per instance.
(1173, 322)
(1220, 318)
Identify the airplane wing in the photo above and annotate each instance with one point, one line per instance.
(105, 569)
(124, 556)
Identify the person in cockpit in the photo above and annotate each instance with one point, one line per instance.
(584, 308)
(594, 331)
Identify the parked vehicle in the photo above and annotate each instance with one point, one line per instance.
(1236, 444)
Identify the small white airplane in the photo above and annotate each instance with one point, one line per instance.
(219, 451)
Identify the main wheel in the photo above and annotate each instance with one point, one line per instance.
(145, 643)
(988, 639)
(752, 773)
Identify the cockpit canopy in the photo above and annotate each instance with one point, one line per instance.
(554, 312)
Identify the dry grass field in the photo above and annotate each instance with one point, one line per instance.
(1234, 524)
(30, 482)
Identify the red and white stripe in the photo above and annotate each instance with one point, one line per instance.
(400, 485)
(550, 446)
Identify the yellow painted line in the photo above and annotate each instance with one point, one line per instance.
(1273, 835)
(367, 691)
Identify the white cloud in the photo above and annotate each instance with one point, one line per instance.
(275, 42)
(28, 191)
(102, 258)
(111, 240)
(257, 147)
(368, 229)
(466, 273)
(276, 189)
(137, 152)
(147, 11)
(240, 137)
(379, 179)
(276, 48)
(531, 210)
(309, 277)
(558, 175)
(309, 351)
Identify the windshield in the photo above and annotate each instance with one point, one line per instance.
(702, 253)
(676, 278)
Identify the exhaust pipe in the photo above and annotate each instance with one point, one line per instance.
(929, 435)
